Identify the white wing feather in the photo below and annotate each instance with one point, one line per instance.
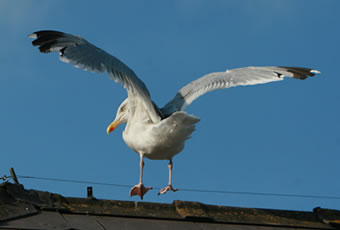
(82, 54)
(230, 78)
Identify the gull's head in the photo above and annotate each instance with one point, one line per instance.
(121, 116)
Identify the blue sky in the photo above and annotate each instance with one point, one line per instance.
(281, 137)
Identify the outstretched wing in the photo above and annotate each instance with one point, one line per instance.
(230, 78)
(82, 54)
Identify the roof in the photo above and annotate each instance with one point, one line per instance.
(31, 209)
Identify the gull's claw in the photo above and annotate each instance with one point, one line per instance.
(166, 189)
(139, 190)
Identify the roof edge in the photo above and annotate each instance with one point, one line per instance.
(16, 201)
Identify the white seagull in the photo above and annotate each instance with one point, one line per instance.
(153, 132)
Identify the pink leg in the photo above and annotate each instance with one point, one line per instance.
(139, 188)
(169, 187)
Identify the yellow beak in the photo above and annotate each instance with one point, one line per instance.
(112, 126)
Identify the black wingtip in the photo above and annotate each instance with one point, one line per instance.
(300, 72)
(45, 39)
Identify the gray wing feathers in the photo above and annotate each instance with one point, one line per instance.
(230, 78)
(82, 54)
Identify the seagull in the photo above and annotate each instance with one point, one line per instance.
(153, 132)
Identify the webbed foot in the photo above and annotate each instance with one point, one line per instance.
(139, 190)
(166, 189)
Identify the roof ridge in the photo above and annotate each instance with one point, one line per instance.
(16, 202)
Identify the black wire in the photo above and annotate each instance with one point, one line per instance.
(74, 181)
(262, 194)
(184, 189)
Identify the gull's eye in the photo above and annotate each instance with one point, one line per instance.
(122, 109)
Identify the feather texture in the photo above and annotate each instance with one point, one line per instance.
(231, 78)
(82, 54)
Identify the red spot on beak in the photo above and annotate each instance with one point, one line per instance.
(112, 126)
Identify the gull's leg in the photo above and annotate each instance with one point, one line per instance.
(169, 187)
(139, 188)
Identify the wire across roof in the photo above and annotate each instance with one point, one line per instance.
(31, 209)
